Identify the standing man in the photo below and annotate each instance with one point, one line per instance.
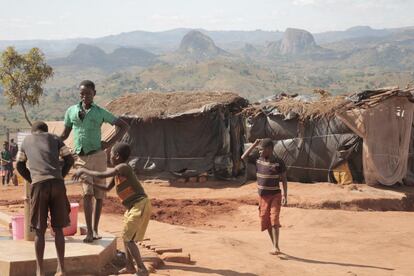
(13, 148)
(47, 190)
(86, 119)
(6, 164)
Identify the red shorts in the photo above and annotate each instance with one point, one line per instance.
(269, 210)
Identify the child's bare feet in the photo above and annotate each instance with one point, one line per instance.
(142, 272)
(128, 270)
(96, 236)
(275, 251)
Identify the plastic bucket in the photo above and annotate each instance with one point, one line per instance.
(18, 227)
(73, 227)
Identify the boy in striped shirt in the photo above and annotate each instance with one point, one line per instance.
(270, 170)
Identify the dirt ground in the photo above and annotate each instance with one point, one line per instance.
(332, 233)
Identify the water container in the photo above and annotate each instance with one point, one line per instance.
(18, 227)
(73, 227)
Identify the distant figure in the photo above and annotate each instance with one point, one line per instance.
(48, 193)
(270, 170)
(6, 168)
(133, 197)
(13, 148)
(86, 119)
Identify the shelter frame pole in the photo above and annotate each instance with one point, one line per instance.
(28, 234)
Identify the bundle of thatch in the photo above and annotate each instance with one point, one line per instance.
(286, 105)
(157, 105)
(370, 98)
(325, 105)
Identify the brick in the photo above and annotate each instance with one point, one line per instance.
(162, 250)
(193, 179)
(183, 258)
(181, 180)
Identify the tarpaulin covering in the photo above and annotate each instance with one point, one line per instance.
(386, 129)
(309, 148)
(209, 141)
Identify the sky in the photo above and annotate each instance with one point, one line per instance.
(59, 19)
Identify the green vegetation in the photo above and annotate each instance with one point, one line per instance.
(22, 77)
(254, 72)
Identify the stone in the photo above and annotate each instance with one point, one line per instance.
(18, 257)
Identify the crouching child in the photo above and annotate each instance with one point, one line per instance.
(133, 197)
(270, 170)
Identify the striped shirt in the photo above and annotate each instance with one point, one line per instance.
(268, 173)
(128, 188)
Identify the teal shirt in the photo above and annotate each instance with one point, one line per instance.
(87, 132)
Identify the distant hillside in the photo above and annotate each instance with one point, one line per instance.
(198, 46)
(354, 32)
(167, 41)
(91, 56)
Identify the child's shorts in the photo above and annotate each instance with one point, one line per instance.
(45, 196)
(136, 221)
(269, 210)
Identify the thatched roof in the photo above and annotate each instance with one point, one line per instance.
(325, 105)
(157, 105)
(294, 105)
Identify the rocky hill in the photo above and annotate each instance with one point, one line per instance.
(196, 45)
(296, 41)
(91, 56)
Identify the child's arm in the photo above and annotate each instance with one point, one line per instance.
(111, 172)
(284, 185)
(250, 149)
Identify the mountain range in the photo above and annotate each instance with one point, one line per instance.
(254, 64)
(166, 41)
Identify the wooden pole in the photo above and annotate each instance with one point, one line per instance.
(28, 234)
(7, 135)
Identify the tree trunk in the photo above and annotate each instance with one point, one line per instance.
(25, 114)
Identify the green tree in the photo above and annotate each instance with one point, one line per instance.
(22, 77)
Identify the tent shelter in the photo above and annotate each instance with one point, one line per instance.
(307, 135)
(384, 119)
(316, 135)
(181, 132)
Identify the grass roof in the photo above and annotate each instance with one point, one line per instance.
(326, 105)
(157, 105)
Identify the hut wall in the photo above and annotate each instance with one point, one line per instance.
(201, 142)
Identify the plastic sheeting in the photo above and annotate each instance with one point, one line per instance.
(210, 141)
(310, 148)
(386, 130)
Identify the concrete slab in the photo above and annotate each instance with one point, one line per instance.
(17, 258)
